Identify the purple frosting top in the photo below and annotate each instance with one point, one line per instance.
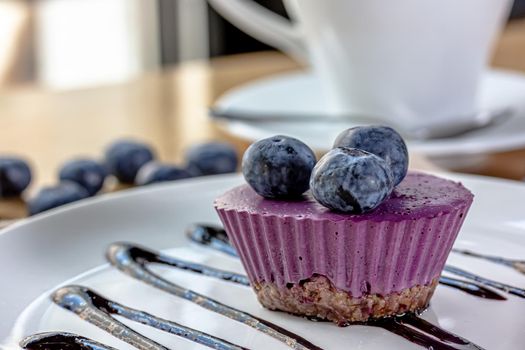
(418, 195)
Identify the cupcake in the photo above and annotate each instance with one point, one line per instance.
(370, 250)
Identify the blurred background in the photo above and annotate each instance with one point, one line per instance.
(76, 75)
(66, 44)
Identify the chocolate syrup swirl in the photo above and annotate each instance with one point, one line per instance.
(429, 328)
(215, 238)
(143, 256)
(61, 341)
(518, 265)
(212, 236)
(423, 333)
(409, 327)
(97, 310)
(132, 261)
(485, 281)
(471, 288)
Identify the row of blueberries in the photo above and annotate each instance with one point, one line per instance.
(131, 162)
(361, 170)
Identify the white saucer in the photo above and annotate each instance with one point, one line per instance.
(43, 252)
(298, 94)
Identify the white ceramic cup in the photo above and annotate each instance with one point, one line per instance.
(415, 62)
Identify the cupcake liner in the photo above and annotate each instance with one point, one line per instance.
(361, 257)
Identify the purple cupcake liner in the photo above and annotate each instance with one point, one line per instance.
(361, 257)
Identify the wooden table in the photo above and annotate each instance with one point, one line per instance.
(168, 110)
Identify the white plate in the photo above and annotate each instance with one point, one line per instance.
(298, 94)
(41, 253)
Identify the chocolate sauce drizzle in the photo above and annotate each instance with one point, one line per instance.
(518, 265)
(144, 255)
(61, 341)
(485, 281)
(471, 288)
(97, 310)
(212, 236)
(215, 238)
(423, 333)
(409, 327)
(132, 261)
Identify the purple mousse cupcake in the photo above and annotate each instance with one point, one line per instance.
(305, 259)
(348, 238)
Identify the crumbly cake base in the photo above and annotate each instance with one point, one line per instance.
(318, 297)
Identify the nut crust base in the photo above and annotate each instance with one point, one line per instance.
(318, 297)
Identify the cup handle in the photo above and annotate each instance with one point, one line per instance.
(263, 25)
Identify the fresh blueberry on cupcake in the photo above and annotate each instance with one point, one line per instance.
(351, 180)
(154, 172)
(278, 167)
(15, 176)
(88, 173)
(124, 158)
(382, 141)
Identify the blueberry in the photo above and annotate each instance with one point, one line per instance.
(351, 180)
(15, 176)
(153, 172)
(212, 158)
(382, 141)
(55, 196)
(85, 172)
(278, 167)
(124, 158)
(193, 171)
